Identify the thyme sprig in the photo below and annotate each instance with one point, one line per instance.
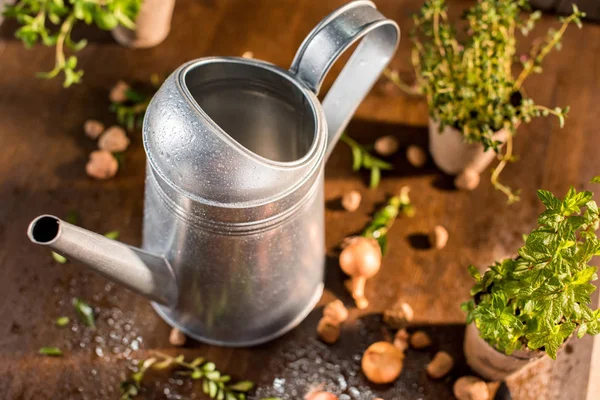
(542, 297)
(469, 84)
(362, 158)
(52, 21)
(214, 384)
(384, 218)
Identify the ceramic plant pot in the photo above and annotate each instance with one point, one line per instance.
(492, 364)
(453, 155)
(153, 24)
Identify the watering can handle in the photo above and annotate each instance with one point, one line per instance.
(326, 43)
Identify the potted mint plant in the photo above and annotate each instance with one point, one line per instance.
(526, 307)
(476, 100)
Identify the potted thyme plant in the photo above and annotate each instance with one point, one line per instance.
(135, 23)
(475, 101)
(526, 307)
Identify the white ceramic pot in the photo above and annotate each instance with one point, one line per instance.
(492, 364)
(152, 25)
(453, 155)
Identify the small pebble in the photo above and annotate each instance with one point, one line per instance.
(102, 165)
(438, 238)
(467, 180)
(118, 94)
(328, 330)
(398, 315)
(176, 337)
(336, 312)
(420, 340)
(114, 140)
(386, 145)
(416, 156)
(441, 364)
(471, 388)
(93, 128)
(248, 54)
(351, 200)
(401, 340)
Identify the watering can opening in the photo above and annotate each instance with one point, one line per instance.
(44, 229)
(263, 110)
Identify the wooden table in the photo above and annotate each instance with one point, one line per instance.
(43, 153)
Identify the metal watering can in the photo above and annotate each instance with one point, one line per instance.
(233, 241)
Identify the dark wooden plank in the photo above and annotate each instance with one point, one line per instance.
(42, 160)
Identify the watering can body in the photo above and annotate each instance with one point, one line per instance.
(233, 242)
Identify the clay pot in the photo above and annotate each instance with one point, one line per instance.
(153, 24)
(492, 364)
(453, 155)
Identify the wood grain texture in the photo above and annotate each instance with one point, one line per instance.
(42, 157)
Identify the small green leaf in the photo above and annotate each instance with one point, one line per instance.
(58, 258)
(114, 235)
(51, 351)
(242, 386)
(62, 321)
(85, 312)
(595, 179)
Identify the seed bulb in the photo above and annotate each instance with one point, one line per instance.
(471, 388)
(118, 94)
(177, 338)
(351, 200)
(93, 128)
(102, 165)
(320, 395)
(401, 340)
(361, 259)
(328, 330)
(438, 237)
(336, 312)
(467, 180)
(382, 362)
(441, 364)
(416, 156)
(420, 340)
(114, 140)
(399, 315)
(386, 145)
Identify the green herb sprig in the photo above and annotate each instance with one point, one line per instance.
(384, 218)
(85, 312)
(51, 351)
(542, 297)
(469, 84)
(361, 158)
(51, 23)
(214, 384)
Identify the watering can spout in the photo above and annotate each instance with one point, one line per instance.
(144, 273)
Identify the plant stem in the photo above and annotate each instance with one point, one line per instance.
(395, 79)
(512, 198)
(543, 53)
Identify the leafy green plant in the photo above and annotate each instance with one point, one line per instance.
(542, 297)
(362, 158)
(51, 23)
(468, 80)
(214, 384)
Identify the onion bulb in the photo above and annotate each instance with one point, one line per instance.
(382, 362)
